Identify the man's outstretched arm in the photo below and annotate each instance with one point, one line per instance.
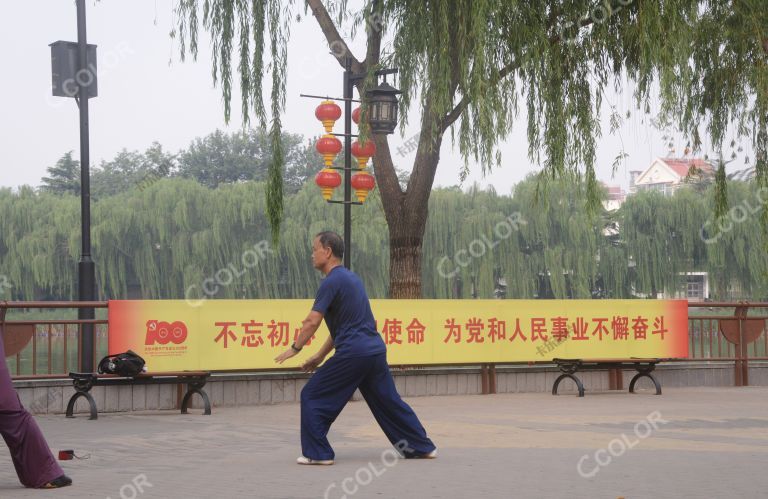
(315, 360)
(308, 328)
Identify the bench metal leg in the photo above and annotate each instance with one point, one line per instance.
(91, 403)
(576, 380)
(647, 375)
(199, 390)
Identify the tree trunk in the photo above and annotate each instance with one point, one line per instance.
(406, 212)
(404, 262)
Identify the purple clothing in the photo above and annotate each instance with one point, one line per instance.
(35, 465)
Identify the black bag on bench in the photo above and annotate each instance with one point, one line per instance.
(123, 364)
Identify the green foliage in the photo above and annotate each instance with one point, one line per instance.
(473, 62)
(40, 243)
(166, 240)
(246, 23)
(64, 176)
(218, 158)
(221, 158)
(131, 169)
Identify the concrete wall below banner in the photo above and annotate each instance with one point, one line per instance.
(238, 389)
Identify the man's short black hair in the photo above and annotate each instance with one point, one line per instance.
(330, 239)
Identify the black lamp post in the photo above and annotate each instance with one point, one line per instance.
(382, 118)
(74, 75)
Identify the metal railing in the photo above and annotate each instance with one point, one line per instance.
(43, 348)
(732, 332)
(729, 332)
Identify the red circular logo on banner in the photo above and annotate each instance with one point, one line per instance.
(164, 332)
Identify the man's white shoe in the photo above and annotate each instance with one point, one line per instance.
(429, 455)
(306, 460)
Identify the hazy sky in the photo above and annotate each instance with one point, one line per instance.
(146, 94)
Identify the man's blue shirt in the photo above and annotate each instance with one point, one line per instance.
(342, 300)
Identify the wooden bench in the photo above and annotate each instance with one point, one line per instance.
(644, 367)
(83, 382)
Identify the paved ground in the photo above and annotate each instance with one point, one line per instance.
(708, 443)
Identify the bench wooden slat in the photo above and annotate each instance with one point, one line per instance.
(33, 377)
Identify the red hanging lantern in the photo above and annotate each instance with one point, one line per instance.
(363, 183)
(363, 152)
(328, 146)
(328, 112)
(356, 115)
(328, 180)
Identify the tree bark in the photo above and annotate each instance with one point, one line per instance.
(405, 212)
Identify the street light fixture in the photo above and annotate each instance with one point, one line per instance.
(382, 104)
(382, 118)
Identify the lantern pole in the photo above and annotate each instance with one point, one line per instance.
(348, 82)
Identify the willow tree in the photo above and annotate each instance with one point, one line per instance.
(662, 239)
(544, 249)
(469, 64)
(553, 248)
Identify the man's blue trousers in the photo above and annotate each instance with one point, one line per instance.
(331, 387)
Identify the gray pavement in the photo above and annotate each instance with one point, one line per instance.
(687, 443)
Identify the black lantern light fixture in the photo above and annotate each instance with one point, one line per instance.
(382, 105)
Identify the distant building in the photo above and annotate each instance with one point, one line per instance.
(666, 175)
(695, 288)
(616, 197)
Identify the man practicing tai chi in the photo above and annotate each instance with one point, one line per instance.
(360, 362)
